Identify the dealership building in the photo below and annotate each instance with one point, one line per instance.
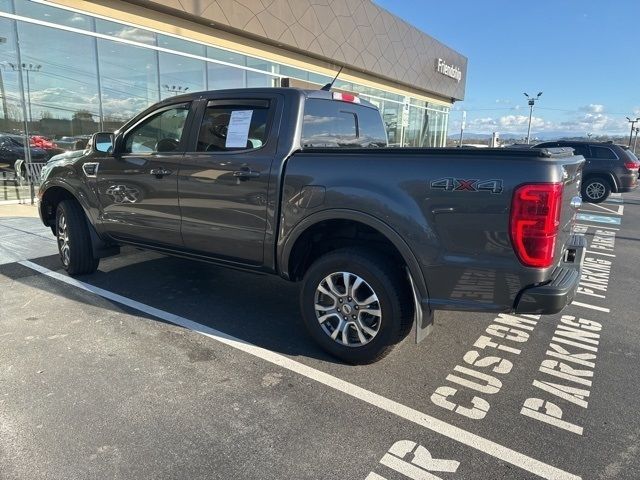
(69, 68)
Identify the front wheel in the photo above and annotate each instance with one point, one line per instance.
(595, 190)
(356, 304)
(74, 241)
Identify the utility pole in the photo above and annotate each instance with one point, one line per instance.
(532, 102)
(633, 124)
(462, 126)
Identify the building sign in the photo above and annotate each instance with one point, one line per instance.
(448, 70)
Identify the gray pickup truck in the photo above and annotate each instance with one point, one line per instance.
(300, 184)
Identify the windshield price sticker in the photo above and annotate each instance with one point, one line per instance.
(238, 131)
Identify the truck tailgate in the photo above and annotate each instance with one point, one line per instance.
(572, 177)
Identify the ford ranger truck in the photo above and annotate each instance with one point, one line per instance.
(301, 184)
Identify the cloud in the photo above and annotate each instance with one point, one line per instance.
(63, 103)
(592, 108)
(136, 35)
(592, 118)
(509, 121)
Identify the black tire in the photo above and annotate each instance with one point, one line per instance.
(381, 276)
(595, 190)
(78, 258)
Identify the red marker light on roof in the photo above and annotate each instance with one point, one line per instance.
(346, 97)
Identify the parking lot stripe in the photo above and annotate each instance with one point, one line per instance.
(592, 307)
(600, 253)
(457, 434)
(596, 226)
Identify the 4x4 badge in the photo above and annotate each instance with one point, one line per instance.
(451, 184)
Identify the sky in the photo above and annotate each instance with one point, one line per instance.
(582, 54)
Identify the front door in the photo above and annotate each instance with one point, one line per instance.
(138, 187)
(223, 183)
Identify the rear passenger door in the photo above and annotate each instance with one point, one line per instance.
(224, 178)
(603, 157)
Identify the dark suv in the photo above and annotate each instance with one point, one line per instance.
(609, 168)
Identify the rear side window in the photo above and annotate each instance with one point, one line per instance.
(581, 150)
(329, 123)
(228, 126)
(604, 153)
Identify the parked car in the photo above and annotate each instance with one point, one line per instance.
(45, 144)
(295, 183)
(12, 148)
(609, 168)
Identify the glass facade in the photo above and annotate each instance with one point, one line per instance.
(75, 74)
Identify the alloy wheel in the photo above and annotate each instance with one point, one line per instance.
(63, 239)
(348, 309)
(595, 190)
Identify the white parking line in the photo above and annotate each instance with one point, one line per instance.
(600, 253)
(457, 434)
(592, 307)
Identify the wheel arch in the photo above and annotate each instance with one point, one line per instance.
(294, 240)
(610, 177)
(51, 196)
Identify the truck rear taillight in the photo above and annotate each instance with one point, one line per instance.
(346, 97)
(534, 222)
(632, 165)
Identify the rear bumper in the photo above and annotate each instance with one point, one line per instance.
(553, 296)
(628, 182)
(627, 189)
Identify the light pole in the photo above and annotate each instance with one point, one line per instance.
(5, 109)
(589, 135)
(27, 67)
(175, 89)
(532, 102)
(633, 124)
(635, 139)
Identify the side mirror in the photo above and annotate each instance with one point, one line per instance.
(102, 142)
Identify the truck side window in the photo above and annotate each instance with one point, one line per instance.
(329, 123)
(603, 153)
(159, 133)
(233, 127)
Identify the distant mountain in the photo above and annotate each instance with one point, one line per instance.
(539, 136)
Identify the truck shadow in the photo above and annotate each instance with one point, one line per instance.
(260, 309)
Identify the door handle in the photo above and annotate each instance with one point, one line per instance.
(160, 172)
(246, 174)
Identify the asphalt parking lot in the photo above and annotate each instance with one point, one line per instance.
(156, 367)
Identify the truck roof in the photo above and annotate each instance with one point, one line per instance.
(321, 94)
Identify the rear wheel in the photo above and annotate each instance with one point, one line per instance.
(356, 304)
(595, 190)
(74, 241)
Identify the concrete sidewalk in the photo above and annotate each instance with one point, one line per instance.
(22, 234)
(18, 210)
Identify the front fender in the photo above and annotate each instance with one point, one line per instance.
(77, 189)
